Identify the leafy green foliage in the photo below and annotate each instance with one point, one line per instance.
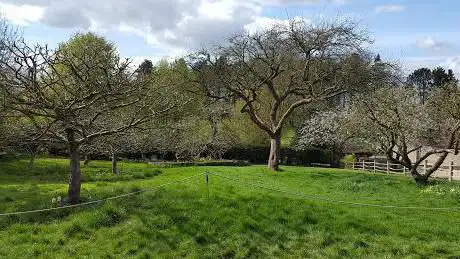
(347, 160)
(425, 80)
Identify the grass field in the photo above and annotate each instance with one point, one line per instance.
(238, 220)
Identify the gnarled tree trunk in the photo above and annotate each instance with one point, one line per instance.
(420, 179)
(75, 174)
(275, 152)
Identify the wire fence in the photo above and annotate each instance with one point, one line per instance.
(314, 197)
(450, 172)
(239, 182)
(100, 200)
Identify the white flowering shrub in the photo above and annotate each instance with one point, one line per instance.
(338, 130)
(323, 129)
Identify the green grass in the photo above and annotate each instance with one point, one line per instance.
(237, 221)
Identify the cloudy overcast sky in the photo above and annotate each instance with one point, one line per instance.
(413, 32)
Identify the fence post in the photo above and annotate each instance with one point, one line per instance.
(388, 167)
(374, 166)
(451, 171)
(364, 166)
(207, 184)
(425, 164)
(404, 170)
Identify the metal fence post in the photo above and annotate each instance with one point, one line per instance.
(451, 171)
(207, 184)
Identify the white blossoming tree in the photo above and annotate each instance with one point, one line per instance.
(335, 130)
(393, 118)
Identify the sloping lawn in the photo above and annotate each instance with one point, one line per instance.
(240, 219)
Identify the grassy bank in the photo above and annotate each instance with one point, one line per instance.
(238, 220)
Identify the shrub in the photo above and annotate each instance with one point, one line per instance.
(348, 160)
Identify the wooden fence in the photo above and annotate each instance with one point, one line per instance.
(450, 172)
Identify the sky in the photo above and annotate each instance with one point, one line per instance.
(413, 33)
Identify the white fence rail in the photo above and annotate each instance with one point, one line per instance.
(450, 172)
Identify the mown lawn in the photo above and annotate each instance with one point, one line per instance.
(238, 220)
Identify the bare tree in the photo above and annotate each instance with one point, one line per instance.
(8, 35)
(20, 136)
(274, 72)
(195, 137)
(115, 145)
(394, 119)
(78, 93)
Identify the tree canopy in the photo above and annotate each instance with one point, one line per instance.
(77, 93)
(276, 71)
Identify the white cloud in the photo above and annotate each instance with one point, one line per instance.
(218, 10)
(428, 42)
(21, 14)
(261, 23)
(390, 8)
(285, 2)
(411, 63)
(447, 62)
(454, 64)
(137, 60)
(141, 32)
(170, 23)
(173, 25)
